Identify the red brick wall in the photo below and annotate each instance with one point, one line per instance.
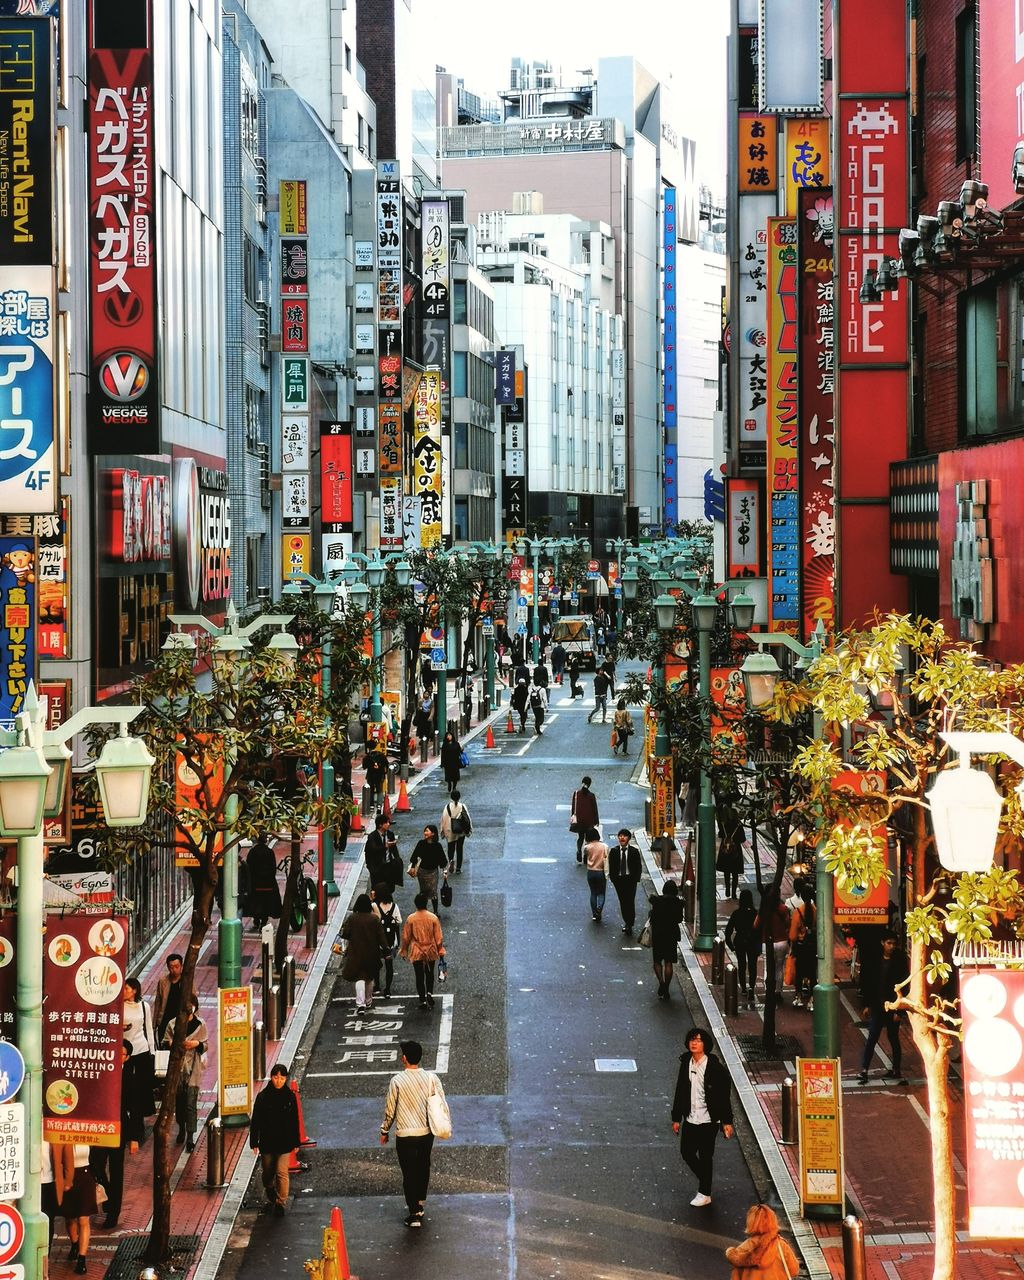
(375, 49)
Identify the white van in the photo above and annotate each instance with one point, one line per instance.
(575, 633)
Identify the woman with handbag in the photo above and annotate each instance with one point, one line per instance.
(137, 1077)
(422, 945)
(666, 916)
(186, 1101)
(364, 934)
(583, 815)
(763, 1255)
(623, 723)
(428, 858)
(456, 825)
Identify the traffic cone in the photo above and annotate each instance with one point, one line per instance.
(304, 1139)
(387, 807)
(490, 738)
(613, 738)
(403, 805)
(355, 826)
(295, 1165)
(338, 1226)
(509, 726)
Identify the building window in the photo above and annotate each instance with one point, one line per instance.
(460, 438)
(459, 309)
(250, 269)
(983, 336)
(253, 433)
(966, 84)
(461, 516)
(250, 121)
(459, 381)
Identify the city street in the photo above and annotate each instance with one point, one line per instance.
(557, 1058)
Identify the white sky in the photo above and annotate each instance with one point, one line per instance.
(680, 41)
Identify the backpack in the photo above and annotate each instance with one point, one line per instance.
(390, 926)
(536, 701)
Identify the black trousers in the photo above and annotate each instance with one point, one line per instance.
(414, 1161)
(697, 1145)
(455, 848)
(625, 888)
(107, 1165)
(424, 970)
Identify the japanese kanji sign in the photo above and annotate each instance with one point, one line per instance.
(427, 461)
(755, 210)
(435, 264)
(807, 158)
(743, 515)
(292, 207)
(336, 477)
(389, 245)
(294, 323)
(758, 152)
(295, 548)
(17, 622)
(391, 511)
(783, 429)
(389, 419)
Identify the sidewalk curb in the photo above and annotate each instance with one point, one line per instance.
(803, 1232)
(208, 1266)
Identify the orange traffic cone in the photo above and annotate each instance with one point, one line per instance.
(338, 1227)
(355, 826)
(509, 726)
(613, 739)
(403, 805)
(295, 1165)
(490, 738)
(387, 807)
(304, 1139)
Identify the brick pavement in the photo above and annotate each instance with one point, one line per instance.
(887, 1155)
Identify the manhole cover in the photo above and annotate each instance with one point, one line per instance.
(127, 1261)
(754, 1051)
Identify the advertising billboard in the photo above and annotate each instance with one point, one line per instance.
(783, 429)
(26, 143)
(670, 498)
(755, 210)
(435, 259)
(124, 400)
(427, 457)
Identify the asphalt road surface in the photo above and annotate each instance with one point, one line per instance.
(557, 1058)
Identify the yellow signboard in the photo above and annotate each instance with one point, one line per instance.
(758, 142)
(292, 208)
(427, 457)
(808, 162)
(819, 1105)
(234, 1057)
(295, 555)
(663, 796)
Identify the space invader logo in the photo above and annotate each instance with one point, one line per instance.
(873, 124)
(17, 60)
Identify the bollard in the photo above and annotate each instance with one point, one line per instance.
(731, 993)
(854, 1262)
(215, 1153)
(467, 720)
(267, 978)
(391, 780)
(718, 959)
(366, 800)
(482, 709)
(424, 748)
(148, 1273)
(288, 982)
(259, 1051)
(790, 1118)
(689, 901)
(312, 924)
(272, 1014)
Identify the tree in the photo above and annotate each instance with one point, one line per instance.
(227, 728)
(949, 685)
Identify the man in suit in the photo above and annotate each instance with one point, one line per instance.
(702, 1105)
(626, 868)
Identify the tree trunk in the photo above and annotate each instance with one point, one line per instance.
(158, 1250)
(291, 891)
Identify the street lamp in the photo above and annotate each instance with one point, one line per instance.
(29, 784)
(123, 774)
(760, 672)
(965, 803)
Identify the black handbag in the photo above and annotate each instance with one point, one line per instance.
(446, 893)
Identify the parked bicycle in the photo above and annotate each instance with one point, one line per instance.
(307, 893)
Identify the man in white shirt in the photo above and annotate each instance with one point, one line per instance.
(406, 1109)
(702, 1104)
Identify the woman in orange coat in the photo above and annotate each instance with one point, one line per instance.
(763, 1255)
(422, 944)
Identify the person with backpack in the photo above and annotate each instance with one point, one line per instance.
(456, 825)
(387, 912)
(538, 705)
(744, 941)
(575, 688)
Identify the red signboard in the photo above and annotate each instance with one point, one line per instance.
(870, 168)
(992, 1005)
(817, 425)
(728, 705)
(1001, 39)
(124, 399)
(336, 477)
(744, 526)
(83, 976)
(862, 904)
(295, 324)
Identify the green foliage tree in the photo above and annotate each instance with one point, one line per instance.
(948, 686)
(231, 727)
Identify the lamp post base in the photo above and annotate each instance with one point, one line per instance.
(229, 953)
(331, 889)
(34, 1247)
(707, 908)
(704, 942)
(826, 1021)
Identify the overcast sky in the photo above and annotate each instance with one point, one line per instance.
(477, 41)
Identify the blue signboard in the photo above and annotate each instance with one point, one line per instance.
(670, 499)
(12, 1070)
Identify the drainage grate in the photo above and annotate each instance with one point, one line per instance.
(785, 1047)
(248, 958)
(127, 1260)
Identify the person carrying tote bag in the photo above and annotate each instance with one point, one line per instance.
(763, 1254)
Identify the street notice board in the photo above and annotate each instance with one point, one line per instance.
(663, 808)
(819, 1093)
(234, 1084)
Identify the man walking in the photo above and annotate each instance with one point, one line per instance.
(521, 702)
(625, 867)
(274, 1133)
(538, 705)
(167, 1001)
(600, 697)
(878, 988)
(406, 1109)
(702, 1104)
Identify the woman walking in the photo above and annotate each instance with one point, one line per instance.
(137, 1075)
(451, 760)
(186, 1101)
(666, 916)
(730, 849)
(422, 943)
(744, 941)
(575, 688)
(456, 825)
(79, 1205)
(264, 893)
(366, 944)
(763, 1255)
(623, 723)
(386, 910)
(582, 814)
(538, 705)
(428, 858)
(595, 855)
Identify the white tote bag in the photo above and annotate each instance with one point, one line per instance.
(439, 1118)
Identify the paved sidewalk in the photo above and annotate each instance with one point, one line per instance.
(207, 1214)
(887, 1155)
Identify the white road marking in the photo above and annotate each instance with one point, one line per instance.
(445, 1035)
(531, 822)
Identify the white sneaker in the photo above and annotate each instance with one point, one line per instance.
(700, 1201)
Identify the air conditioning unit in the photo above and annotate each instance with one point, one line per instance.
(261, 189)
(263, 314)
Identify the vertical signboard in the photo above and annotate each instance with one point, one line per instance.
(820, 1112)
(57, 693)
(335, 493)
(427, 457)
(670, 493)
(783, 429)
(992, 1005)
(856, 904)
(51, 534)
(295, 556)
(744, 526)
(505, 376)
(1001, 44)
(295, 442)
(435, 259)
(758, 153)
(292, 207)
(807, 158)
(871, 168)
(17, 622)
(391, 511)
(663, 796)
(817, 428)
(389, 245)
(124, 399)
(234, 1057)
(514, 496)
(83, 977)
(755, 210)
(728, 706)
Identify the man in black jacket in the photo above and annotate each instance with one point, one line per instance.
(274, 1133)
(878, 988)
(600, 696)
(625, 868)
(702, 1104)
(375, 851)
